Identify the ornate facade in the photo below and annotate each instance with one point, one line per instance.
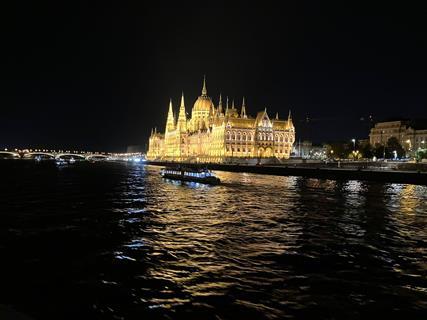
(217, 134)
(412, 135)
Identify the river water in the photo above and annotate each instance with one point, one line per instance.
(116, 241)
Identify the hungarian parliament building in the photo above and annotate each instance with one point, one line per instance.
(220, 134)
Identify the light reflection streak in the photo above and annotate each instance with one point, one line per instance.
(253, 231)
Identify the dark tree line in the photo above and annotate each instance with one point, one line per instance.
(345, 150)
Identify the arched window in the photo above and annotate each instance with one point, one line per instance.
(244, 136)
(239, 137)
(276, 138)
(228, 135)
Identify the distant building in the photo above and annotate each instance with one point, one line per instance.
(213, 134)
(134, 149)
(307, 150)
(412, 135)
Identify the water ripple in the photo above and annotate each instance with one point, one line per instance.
(125, 244)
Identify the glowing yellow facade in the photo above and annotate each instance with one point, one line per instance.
(216, 135)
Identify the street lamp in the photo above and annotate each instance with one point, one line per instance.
(354, 143)
(409, 144)
(355, 154)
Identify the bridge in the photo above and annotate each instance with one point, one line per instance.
(60, 154)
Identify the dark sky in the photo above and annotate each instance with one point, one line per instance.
(99, 77)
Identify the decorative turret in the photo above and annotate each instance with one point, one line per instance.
(277, 116)
(182, 119)
(233, 113)
(243, 112)
(220, 105)
(290, 123)
(170, 122)
(226, 106)
(204, 90)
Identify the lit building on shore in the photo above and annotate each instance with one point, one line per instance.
(412, 135)
(220, 134)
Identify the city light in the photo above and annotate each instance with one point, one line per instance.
(238, 137)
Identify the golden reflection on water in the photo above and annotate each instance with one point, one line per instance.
(410, 197)
(248, 232)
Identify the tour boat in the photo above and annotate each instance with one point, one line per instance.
(60, 162)
(190, 174)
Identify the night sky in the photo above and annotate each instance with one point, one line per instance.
(99, 77)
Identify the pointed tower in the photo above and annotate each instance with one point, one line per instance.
(220, 105)
(170, 122)
(226, 106)
(182, 119)
(204, 90)
(243, 112)
(232, 105)
(290, 123)
(277, 116)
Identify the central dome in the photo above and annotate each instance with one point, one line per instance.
(203, 103)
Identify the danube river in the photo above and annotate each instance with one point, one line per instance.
(115, 241)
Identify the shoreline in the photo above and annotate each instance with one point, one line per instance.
(364, 174)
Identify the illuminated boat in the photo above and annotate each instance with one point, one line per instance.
(60, 162)
(190, 174)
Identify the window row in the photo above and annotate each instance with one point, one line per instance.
(261, 136)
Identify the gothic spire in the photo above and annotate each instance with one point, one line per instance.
(182, 118)
(220, 104)
(170, 122)
(277, 116)
(182, 99)
(243, 112)
(290, 124)
(204, 90)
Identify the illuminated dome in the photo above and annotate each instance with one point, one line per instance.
(203, 103)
